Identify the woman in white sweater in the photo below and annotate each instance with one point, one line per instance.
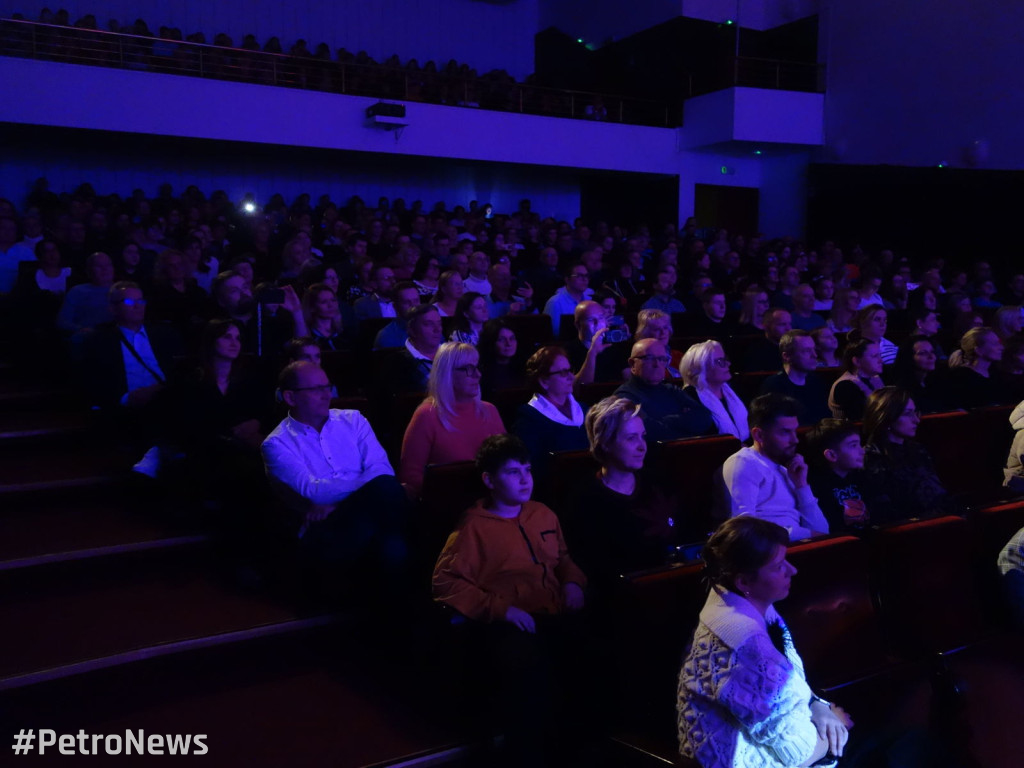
(743, 700)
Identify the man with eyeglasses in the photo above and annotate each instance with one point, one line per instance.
(667, 411)
(125, 362)
(576, 289)
(331, 471)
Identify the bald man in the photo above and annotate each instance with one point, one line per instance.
(667, 411)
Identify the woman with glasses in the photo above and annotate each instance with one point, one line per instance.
(916, 373)
(901, 476)
(452, 422)
(553, 419)
(705, 369)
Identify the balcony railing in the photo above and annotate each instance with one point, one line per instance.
(782, 75)
(150, 54)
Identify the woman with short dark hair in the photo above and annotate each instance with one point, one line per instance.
(744, 700)
(552, 420)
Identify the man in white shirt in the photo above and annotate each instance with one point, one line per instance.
(769, 480)
(479, 265)
(575, 290)
(329, 468)
(12, 253)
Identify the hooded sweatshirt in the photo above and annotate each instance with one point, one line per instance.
(1013, 473)
(490, 563)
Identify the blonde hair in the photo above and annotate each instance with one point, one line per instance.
(1006, 321)
(603, 422)
(969, 344)
(440, 387)
(694, 365)
(644, 318)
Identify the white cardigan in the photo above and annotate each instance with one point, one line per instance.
(742, 703)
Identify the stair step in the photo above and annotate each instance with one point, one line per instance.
(122, 612)
(311, 700)
(38, 534)
(42, 468)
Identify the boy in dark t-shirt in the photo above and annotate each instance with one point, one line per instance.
(836, 475)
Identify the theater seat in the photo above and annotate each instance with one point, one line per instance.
(830, 611)
(448, 491)
(690, 467)
(655, 613)
(959, 452)
(532, 331)
(926, 586)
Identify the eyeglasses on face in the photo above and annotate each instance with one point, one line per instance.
(128, 302)
(567, 372)
(317, 388)
(723, 362)
(468, 370)
(663, 359)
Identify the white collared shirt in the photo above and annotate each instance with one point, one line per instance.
(323, 467)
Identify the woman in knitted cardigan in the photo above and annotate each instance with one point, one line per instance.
(743, 700)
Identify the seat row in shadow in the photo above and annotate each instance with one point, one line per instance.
(904, 628)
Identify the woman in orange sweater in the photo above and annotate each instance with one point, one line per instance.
(452, 422)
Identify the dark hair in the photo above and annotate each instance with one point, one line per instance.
(416, 313)
(294, 346)
(767, 409)
(540, 363)
(423, 264)
(826, 435)
(855, 349)
(211, 332)
(904, 364)
(462, 307)
(498, 450)
(741, 545)
(881, 410)
(404, 285)
(787, 344)
(489, 338)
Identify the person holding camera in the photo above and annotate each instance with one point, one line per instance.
(599, 351)
(668, 412)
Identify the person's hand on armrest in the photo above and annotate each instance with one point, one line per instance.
(831, 727)
(521, 619)
(573, 595)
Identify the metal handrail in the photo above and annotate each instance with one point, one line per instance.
(98, 47)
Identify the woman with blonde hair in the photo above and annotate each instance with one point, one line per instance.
(323, 316)
(618, 520)
(1006, 322)
(452, 421)
(656, 324)
(754, 304)
(705, 369)
(972, 379)
(872, 322)
(845, 303)
(450, 289)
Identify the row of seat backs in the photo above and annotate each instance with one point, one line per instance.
(968, 449)
(857, 607)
